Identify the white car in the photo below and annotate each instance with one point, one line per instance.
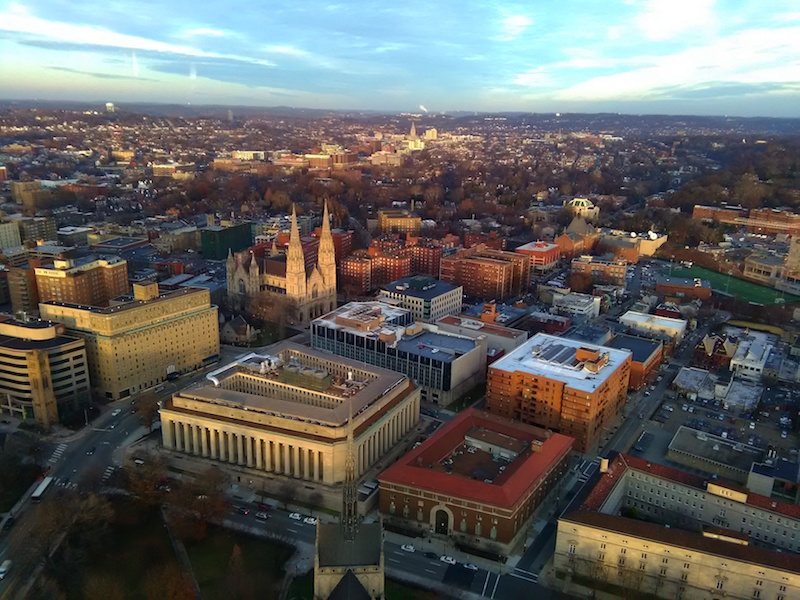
(262, 516)
(115, 412)
(470, 566)
(448, 559)
(408, 548)
(310, 521)
(295, 517)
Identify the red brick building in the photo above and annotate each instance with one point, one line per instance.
(355, 273)
(647, 355)
(487, 274)
(342, 242)
(600, 271)
(489, 240)
(434, 487)
(544, 255)
(683, 287)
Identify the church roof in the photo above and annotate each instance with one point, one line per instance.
(349, 588)
(336, 551)
(581, 227)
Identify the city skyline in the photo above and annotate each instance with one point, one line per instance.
(700, 57)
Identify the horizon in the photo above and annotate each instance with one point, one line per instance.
(686, 58)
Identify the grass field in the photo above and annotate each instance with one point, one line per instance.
(744, 290)
(227, 563)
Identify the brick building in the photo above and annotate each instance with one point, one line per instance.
(565, 385)
(433, 488)
(645, 359)
(88, 282)
(683, 287)
(600, 271)
(544, 256)
(488, 274)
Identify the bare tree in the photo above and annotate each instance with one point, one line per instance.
(147, 408)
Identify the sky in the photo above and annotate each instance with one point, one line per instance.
(704, 57)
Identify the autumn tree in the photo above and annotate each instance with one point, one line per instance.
(147, 408)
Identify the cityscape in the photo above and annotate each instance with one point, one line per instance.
(311, 353)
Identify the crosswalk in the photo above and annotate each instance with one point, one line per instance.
(526, 575)
(107, 474)
(587, 472)
(64, 483)
(57, 453)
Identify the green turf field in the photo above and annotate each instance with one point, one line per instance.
(744, 290)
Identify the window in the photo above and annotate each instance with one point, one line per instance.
(623, 550)
(684, 576)
(572, 548)
(720, 583)
(602, 546)
(663, 570)
(756, 593)
(759, 582)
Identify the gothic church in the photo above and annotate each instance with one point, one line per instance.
(313, 292)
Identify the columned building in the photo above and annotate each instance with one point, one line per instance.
(287, 413)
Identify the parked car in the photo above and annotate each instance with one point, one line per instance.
(431, 555)
(448, 559)
(470, 566)
(310, 521)
(408, 548)
(115, 412)
(262, 516)
(295, 517)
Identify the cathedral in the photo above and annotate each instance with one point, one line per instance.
(311, 292)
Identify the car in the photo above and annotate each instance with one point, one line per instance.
(263, 506)
(112, 426)
(431, 555)
(295, 517)
(448, 559)
(470, 566)
(784, 435)
(752, 425)
(408, 548)
(9, 523)
(5, 568)
(243, 510)
(647, 393)
(116, 411)
(90, 451)
(261, 516)
(310, 521)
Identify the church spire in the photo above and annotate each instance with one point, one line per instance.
(413, 134)
(350, 520)
(295, 262)
(326, 258)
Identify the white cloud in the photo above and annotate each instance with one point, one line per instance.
(514, 26)
(753, 56)
(665, 19)
(204, 31)
(538, 77)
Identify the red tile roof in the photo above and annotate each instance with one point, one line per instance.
(618, 467)
(508, 489)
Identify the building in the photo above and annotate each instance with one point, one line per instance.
(355, 273)
(579, 238)
(43, 373)
(758, 220)
(487, 274)
(218, 242)
(489, 240)
(584, 208)
(22, 290)
(34, 228)
(500, 339)
(733, 553)
(564, 385)
(401, 221)
(715, 455)
(600, 271)
(9, 235)
(646, 356)
(715, 352)
(647, 324)
(73, 236)
(683, 287)
(751, 356)
(763, 269)
(544, 256)
(119, 245)
(289, 414)
(311, 291)
(792, 264)
(342, 242)
(443, 365)
(428, 299)
(478, 480)
(577, 305)
(90, 281)
(778, 478)
(139, 343)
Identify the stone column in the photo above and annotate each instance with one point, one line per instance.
(223, 446)
(259, 453)
(285, 458)
(187, 442)
(167, 435)
(267, 455)
(204, 439)
(249, 443)
(240, 448)
(213, 434)
(195, 439)
(296, 470)
(312, 464)
(231, 447)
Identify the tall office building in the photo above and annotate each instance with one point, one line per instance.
(43, 371)
(428, 299)
(565, 385)
(137, 344)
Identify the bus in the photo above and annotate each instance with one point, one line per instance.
(41, 489)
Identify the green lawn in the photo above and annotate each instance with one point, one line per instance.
(744, 290)
(226, 563)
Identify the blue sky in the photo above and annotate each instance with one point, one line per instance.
(634, 56)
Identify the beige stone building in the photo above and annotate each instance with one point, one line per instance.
(287, 413)
(43, 372)
(136, 344)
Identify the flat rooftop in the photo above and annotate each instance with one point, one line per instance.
(652, 320)
(416, 286)
(446, 464)
(715, 449)
(557, 358)
(641, 348)
(690, 378)
(120, 242)
(481, 327)
(354, 388)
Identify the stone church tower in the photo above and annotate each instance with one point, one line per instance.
(312, 292)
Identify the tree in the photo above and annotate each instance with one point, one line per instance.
(287, 491)
(167, 582)
(580, 282)
(147, 408)
(102, 587)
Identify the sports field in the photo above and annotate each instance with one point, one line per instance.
(744, 290)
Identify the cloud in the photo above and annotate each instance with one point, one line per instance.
(204, 31)
(538, 77)
(665, 19)
(99, 75)
(514, 26)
